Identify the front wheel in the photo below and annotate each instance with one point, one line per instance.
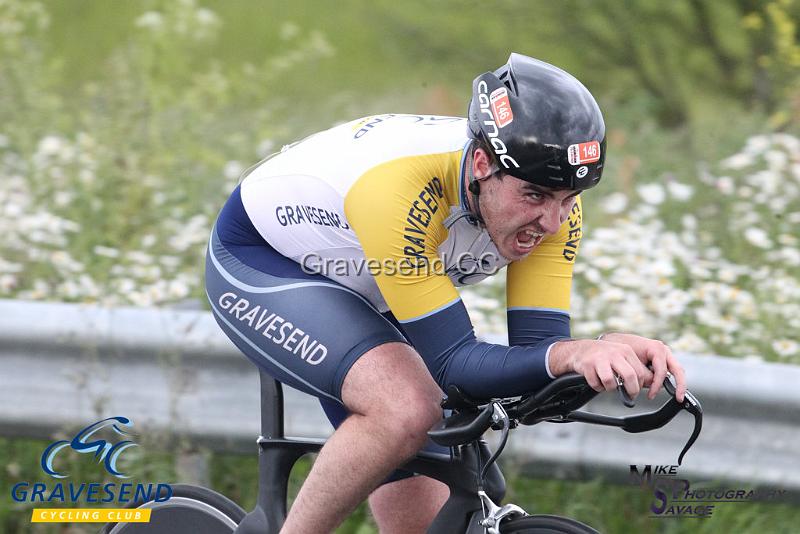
(190, 510)
(545, 524)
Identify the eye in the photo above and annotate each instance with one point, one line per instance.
(533, 195)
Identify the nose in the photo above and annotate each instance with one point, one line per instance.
(550, 220)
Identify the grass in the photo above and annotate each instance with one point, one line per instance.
(613, 508)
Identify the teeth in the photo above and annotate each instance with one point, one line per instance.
(533, 238)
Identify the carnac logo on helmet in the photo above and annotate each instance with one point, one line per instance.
(584, 153)
(582, 171)
(492, 130)
(501, 107)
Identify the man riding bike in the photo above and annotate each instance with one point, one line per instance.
(334, 266)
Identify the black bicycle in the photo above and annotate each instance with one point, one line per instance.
(476, 484)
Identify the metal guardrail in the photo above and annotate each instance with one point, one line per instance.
(175, 374)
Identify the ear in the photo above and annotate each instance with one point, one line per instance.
(482, 166)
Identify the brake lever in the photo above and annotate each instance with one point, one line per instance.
(691, 405)
(623, 394)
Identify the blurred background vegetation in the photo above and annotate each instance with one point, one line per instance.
(123, 126)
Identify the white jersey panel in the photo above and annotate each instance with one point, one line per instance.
(302, 217)
(343, 153)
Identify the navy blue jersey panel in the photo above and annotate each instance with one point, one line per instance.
(526, 327)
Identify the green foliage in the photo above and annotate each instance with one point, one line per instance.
(125, 125)
(741, 52)
(607, 507)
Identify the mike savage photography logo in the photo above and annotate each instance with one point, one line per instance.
(67, 497)
(675, 497)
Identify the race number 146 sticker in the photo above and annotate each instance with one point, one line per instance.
(583, 153)
(501, 107)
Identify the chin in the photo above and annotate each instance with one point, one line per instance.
(510, 254)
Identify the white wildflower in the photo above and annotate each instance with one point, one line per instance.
(689, 342)
(8, 282)
(206, 17)
(738, 161)
(149, 240)
(87, 176)
(757, 144)
(776, 159)
(51, 145)
(125, 286)
(727, 275)
(233, 170)
(785, 347)
(651, 193)
(674, 302)
(757, 237)
(108, 252)
(644, 212)
(150, 20)
(139, 257)
(63, 198)
(680, 191)
(605, 263)
(725, 185)
(615, 203)
(171, 262)
(790, 256)
(177, 289)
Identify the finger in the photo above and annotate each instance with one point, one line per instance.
(629, 377)
(606, 375)
(593, 380)
(680, 376)
(659, 363)
(643, 374)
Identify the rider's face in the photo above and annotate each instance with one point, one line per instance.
(518, 214)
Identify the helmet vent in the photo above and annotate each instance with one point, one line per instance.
(507, 77)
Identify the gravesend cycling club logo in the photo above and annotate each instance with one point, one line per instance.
(103, 450)
(106, 440)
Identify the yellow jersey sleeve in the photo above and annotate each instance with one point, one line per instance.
(397, 211)
(543, 280)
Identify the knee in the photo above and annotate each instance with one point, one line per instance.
(414, 415)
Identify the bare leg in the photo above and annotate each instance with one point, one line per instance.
(408, 506)
(393, 401)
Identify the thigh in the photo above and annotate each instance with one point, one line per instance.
(304, 330)
(390, 379)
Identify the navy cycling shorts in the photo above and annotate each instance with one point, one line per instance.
(303, 329)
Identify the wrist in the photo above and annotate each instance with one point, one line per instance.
(563, 355)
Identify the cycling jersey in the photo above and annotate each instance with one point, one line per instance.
(378, 206)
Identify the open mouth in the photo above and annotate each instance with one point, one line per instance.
(526, 240)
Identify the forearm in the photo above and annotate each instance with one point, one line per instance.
(486, 370)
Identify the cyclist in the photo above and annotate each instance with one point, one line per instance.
(334, 267)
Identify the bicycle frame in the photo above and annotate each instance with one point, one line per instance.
(278, 454)
(472, 494)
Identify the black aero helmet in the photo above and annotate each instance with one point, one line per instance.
(542, 125)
